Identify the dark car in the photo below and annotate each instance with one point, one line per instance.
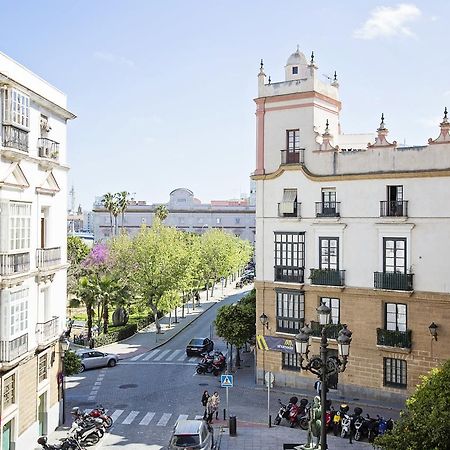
(197, 346)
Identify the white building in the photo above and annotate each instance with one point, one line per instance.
(33, 202)
(356, 222)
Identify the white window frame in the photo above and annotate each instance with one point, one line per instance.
(19, 226)
(334, 304)
(18, 312)
(16, 108)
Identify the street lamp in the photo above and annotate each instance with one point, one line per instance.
(64, 346)
(323, 366)
(264, 320)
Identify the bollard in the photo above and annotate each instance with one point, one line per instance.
(270, 420)
(232, 425)
(224, 414)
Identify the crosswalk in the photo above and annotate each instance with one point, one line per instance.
(144, 418)
(162, 356)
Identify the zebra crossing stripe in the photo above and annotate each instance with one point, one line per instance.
(135, 358)
(116, 414)
(174, 353)
(129, 419)
(151, 354)
(192, 359)
(182, 357)
(147, 418)
(161, 355)
(164, 419)
(198, 417)
(182, 417)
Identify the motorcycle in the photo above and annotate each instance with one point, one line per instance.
(346, 422)
(384, 425)
(372, 428)
(283, 412)
(343, 409)
(359, 424)
(68, 443)
(95, 413)
(299, 414)
(329, 416)
(209, 367)
(87, 433)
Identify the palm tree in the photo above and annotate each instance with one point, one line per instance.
(161, 212)
(108, 202)
(115, 211)
(122, 202)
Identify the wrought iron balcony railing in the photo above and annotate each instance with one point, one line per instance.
(48, 148)
(332, 330)
(10, 350)
(11, 264)
(392, 338)
(48, 330)
(48, 257)
(289, 274)
(296, 212)
(328, 277)
(328, 209)
(16, 138)
(394, 208)
(393, 281)
(293, 156)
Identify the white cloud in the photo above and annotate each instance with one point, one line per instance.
(389, 21)
(113, 59)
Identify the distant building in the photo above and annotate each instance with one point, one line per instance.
(185, 213)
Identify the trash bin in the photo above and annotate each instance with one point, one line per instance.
(232, 425)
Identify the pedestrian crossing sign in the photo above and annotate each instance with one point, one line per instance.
(226, 380)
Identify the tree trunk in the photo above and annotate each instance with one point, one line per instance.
(212, 287)
(123, 217)
(154, 310)
(89, 322)
(111, 222)
(207, 290)
(105, 318)
(238, 357)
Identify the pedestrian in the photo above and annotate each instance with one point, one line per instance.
(210, 409)
(205, 398)
(216, 404)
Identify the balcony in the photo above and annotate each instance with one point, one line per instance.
(15, 138)
(394, 208)
(332, 330)
(293, 156)
(48, 257)
(326, 277)
(48, 149)
(289, 274)
(14, 264)
(328, 209)
(393, 281)
(10, 350)
(46, 331)
(391, 338)
(296, 212)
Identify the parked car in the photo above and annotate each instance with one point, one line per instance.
(192, 434)
(91, 359)
(197, 346)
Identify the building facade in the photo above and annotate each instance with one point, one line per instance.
(356, 222)
(33, 205)
(185, 213)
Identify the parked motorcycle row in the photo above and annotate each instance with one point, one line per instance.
(340, 422)
(212, 363)
(87, 429)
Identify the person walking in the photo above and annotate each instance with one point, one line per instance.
(210, 409)
(216, 403)
(205, 398)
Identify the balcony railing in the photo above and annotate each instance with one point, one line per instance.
(328, 277)
(391, 338)
(47, 330)
(15, 138)
(289, 274)
(47, 257)
(394, 208)
(48, 148)
(328, 209)
(10, 350)
(14, 264)
(293, 156)
(296, 212)
(393, 281)
(332, 330)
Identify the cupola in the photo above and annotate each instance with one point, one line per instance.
(296, 66)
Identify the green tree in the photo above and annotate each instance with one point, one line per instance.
(426, 421)
(122, 203)
(161, 212)
(86, 294)
(77, 251)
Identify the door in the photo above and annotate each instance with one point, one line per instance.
(42, 414)
(329, 202)
(394, 255)
(42, 232)
(97, 359)
(7, 436)
(329, 253)
(395, 200)
(293, 145)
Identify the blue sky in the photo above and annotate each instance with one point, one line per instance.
(164, 90)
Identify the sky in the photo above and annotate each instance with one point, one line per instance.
(163, 90)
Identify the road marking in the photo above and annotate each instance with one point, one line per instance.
(147, 418)
(91, 397)
(182, 417)
(172, 356)
(116, 414)
(151, 354)
(98, 383)
(95, 388)
(193, 359)
(198, 417)
(130, 417)
(135, 358)
(161, 355)
(182, 357)
(164, 419)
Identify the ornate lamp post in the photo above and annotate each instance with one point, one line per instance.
(64, 346)
(323, 366)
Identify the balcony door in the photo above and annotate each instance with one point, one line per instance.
(395, 200)
(329, 253)
(7, 436)
(292, 146)
(328, 202)
(42, 414)
(394, 255)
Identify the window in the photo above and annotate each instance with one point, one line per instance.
(16, 108)
(295, 70)
(394, 255)
(290, 311)
(329, 253)
(43, 372)
(9, 391)
(395, 372)
(288, 206)
(19, 225)
(293, 139)
(290, 361)
(289, 257)
(395, 319)
(18, 311)
(334, 305)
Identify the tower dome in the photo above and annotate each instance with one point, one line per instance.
(296, 66)
(296, 58)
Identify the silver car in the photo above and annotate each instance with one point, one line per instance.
(189, 434)
(93, 358)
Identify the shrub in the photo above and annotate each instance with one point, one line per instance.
(72, 363)
(114, 336)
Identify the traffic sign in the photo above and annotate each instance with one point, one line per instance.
(226, 381)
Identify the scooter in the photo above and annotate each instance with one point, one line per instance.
(86, 433)
(298, 414)
(346, 422)
(359, 424)
(343, 409)
(100, 412)
(372, 428)
(283, 413)
(68, 443)
(203, 368)
(384, 425)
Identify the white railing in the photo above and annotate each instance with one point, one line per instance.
(47, 330)
(48, 257)
(15, 263)
(10, 350)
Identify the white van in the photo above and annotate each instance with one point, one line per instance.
(192, 435)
